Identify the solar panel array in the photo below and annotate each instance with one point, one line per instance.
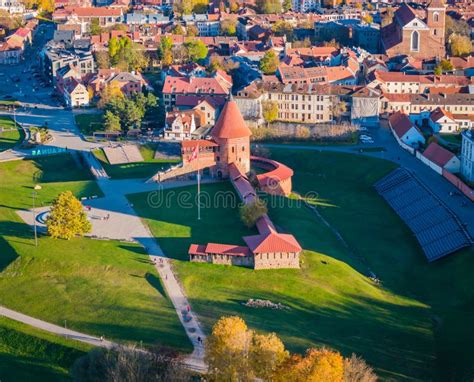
(436, 228)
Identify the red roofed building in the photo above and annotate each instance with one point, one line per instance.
(442, 121)
(405, 132)
(439, 159)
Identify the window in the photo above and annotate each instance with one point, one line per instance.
(415, 41)
(435, 18)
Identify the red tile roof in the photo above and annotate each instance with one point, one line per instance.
(400, 123)
(230, 123)
(227, 249)
(437, 154)
(196, 85)
(200, 142)
(440, 113)
(272, 243)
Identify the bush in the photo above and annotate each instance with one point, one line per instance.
(251, 212)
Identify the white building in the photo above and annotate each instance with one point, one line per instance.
(304, 6)
(12, 6)
(439, 159)
(442, 121)
(405, 132)
(467, 155)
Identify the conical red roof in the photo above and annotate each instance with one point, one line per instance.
(230, 123)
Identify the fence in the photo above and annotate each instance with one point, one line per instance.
(459, 184)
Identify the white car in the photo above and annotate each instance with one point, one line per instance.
(368, 141)
(364, 136)
(362, 128)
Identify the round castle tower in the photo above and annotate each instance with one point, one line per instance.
(233, 137)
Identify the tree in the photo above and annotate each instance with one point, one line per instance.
(192, 31)
(196, 49)
(227, 350)
(338, 108)
(95, 28)
(228, 27)
(252, 211)
(269, 63)
(67, 217)
(128, 364)
(268, 6)
(111, 121)
(283, 28)
(183, 7)
(444, 65)
(287, 5)
(102, 59)
(46, 6)
(356, 370)
(165, 51)
(460, 45)
(270, 111)
(178, 30)
(368, 19)
(318, 365)
(267, 353)
(8, 21)
(110, 92)
(114, 47)
(233, 6)
(454, 26)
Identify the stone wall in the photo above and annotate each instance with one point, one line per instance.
(276, 260)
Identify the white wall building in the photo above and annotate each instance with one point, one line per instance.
(467, 155)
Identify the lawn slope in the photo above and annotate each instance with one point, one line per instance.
(332, 302)
(100, 287)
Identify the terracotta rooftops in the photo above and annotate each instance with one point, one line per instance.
(272, 243)
(400, 123)
(195, 142)
(218, 249)
(437, 154)
(439, 113)
(230, 123)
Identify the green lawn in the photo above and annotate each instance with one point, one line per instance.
(452, 138)
(416, 326)
(89, 122)
(100, 287)
(11, 137)
(145, 169)
(28, 354)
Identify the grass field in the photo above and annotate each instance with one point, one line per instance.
(12, 137)
(145, 169)
(28, 354)
(89, 122)
(413, 327)
(99, 287)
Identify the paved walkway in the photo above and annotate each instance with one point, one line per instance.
(59, 330)
(115, 202)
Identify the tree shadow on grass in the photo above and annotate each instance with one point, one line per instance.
(393, 338)
(7, 254)
(155, 282)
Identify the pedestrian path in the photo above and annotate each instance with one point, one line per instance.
(116, 201)
(51, 328)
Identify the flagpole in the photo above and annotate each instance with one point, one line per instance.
(199, 187)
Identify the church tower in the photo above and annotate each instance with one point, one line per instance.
(436, 20)
(233, 137)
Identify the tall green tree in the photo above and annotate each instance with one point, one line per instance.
(270, 111)
(269, 63)
(251, 212)
(269, 6)
(111, 121)
(67, 217)
(196, 49)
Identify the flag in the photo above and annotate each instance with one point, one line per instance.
(194, 155)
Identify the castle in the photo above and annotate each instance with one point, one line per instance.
(227, 156)
(414, 34)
